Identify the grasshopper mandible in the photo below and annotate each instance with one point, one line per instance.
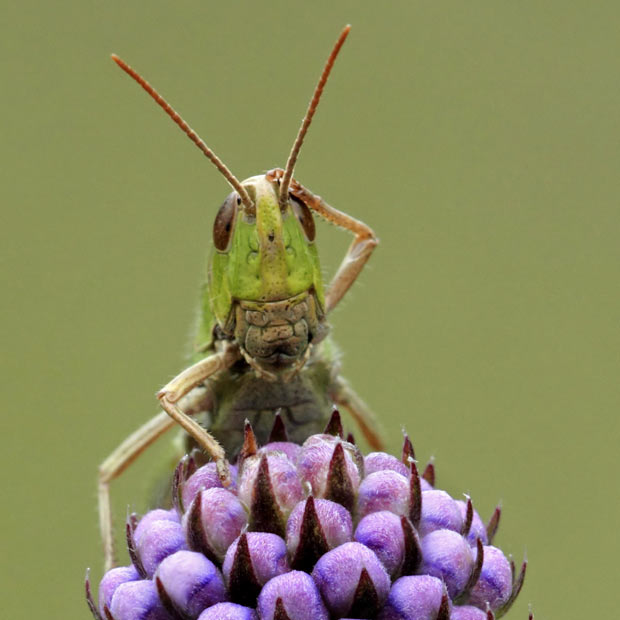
(262, 341)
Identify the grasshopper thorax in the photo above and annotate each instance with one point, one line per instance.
(264, 287)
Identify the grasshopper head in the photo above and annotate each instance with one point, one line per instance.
(263, 252)
(264, 286)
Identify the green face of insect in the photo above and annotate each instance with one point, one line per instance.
(265, 256)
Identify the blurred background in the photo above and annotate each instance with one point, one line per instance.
(480, 140)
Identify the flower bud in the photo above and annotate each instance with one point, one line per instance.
(352, 580)
(381, 461)
(439, 511)
(111, 580)
(205, 478)
(393, 540)
(158, 540)
(448, 556)
(314, 527)
(416, 597)
(251, 561)
(293, 593)
(150, 517)
(215, 518)
(190, 582)
(138, 600)
(384, 490)
(332, 467)
(228, 611)
(292, 450)
(270, 487)
(467, 612)
(495, 582)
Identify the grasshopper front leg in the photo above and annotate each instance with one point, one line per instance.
(131, 448)
(359, 252)
(171, 393)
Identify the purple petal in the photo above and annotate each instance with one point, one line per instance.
(380, 461)
(151, 517)
(222, 518)
(495, 583)
(284, 480)
(417, 597)
(161, 539)
(383, 533)
(384, 490)
(228, 611)
(111, 580)
(138, 600)
(289, 448)
(267, 553)
(335, 521)
(439, 511)
(205, 478)
(192, 582)
(299, 595)
(447, 556)
(337, 575)
(466, 612)
(315, 458)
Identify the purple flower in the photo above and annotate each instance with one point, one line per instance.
(439, 511)
(157, 541)
(228, 611)
(352, 580)
(204, 478)
(393, 539)
(418, 597)
(289, 448)
(380, 461)
(110, 582)
(448, 556)
(251, 561)
(295, 594)
(309, 532)
(138, 600)
(270, 486)
(314, 527)
(466, 612)
(190, 582)
(384, 490)
(495, 583)
(214, 520)
(320, 456)
(151, 517)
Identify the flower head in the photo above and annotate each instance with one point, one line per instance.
(310, 532)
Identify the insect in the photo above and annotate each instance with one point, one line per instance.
(262, 341)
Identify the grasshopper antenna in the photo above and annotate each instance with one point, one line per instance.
(314, 103)
(189, 132)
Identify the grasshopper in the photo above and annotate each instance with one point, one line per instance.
(262, 339)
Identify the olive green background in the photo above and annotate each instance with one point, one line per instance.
(480, 140)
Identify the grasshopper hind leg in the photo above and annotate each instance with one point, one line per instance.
(346, 397)
(124, 455)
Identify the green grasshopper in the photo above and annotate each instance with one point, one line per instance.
(262, 340)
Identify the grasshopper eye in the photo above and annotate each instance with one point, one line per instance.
(224, 222)
(302, 213)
